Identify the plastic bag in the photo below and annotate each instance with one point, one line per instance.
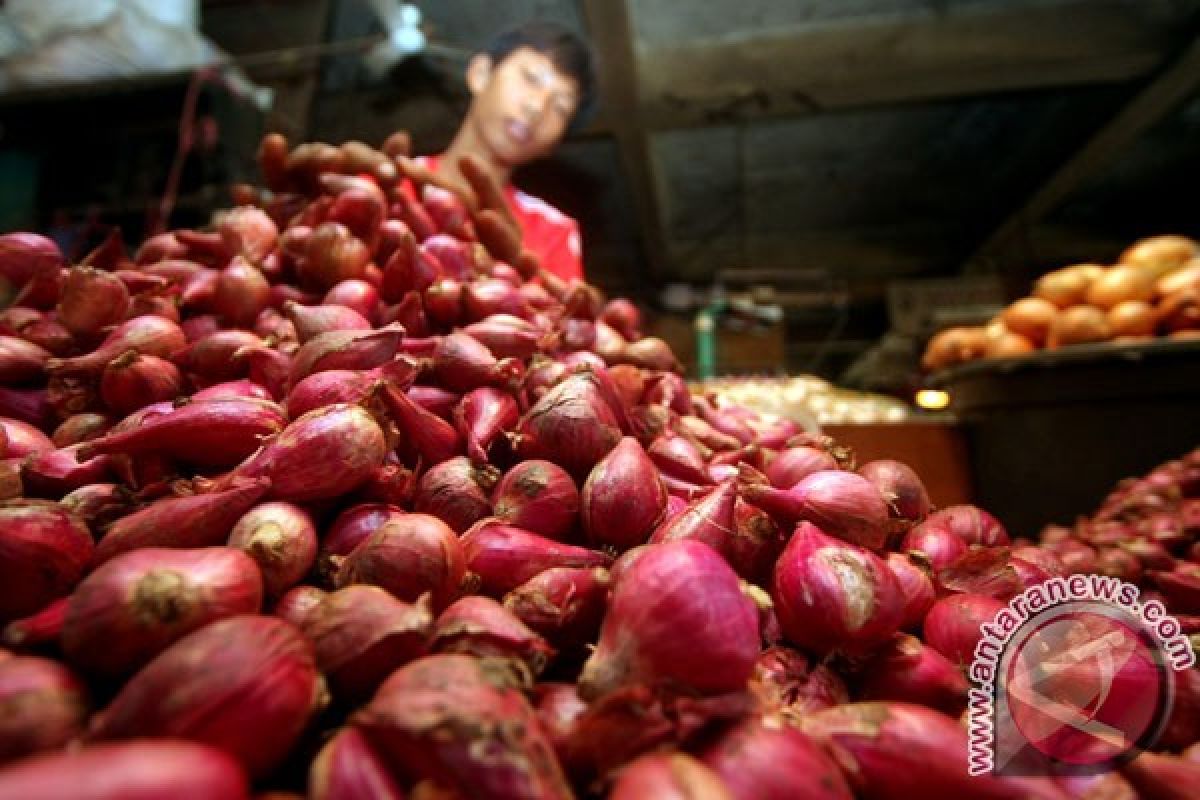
(73, 41)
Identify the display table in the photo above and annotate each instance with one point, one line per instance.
(1049, 434)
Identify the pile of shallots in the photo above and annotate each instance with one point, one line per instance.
(1145, 532)
(345, 498)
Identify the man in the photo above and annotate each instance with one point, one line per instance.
(529, 87)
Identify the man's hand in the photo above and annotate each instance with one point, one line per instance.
(495, 225)
(359, 158)
(421, 176)
(291, 169)
(272, 161)
(488, 194)
(398, 144)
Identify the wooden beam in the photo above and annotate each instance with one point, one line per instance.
(852, 252)
(948, 51)
(612, 36)
(1010, 244)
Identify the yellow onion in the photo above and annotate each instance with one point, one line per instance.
(1120, 284)
(1031, 317)
(954, 346)
(1185, 277)
(1068, 286)
(1079, 325)
(1158, 255)
(1132, 318)
(1008, 345)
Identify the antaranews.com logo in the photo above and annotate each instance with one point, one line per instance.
(1074, 674)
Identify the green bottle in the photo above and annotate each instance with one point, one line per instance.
(706, 344)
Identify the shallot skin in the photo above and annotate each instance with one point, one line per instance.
(669, 776)
(347, 768)
(44, 552)
(771, 760)
(45, 706)
(143, 768)
(246, 684)
(454, 719)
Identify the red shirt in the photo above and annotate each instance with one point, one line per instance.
(545, 231)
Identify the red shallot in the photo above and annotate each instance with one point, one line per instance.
(538, 496)
(842, 503)
(37, 630)
(623, 498)
(282, 540)
(298, 603)
(148, 335)
(347, 768)
(45, 707)
(21, 361)
(456, 492)
(571, 425)
(786, 682)
(938, 545)
(952, 626)
(427, 438)
(311, 321)
(767, 759)
(200, 520)
(132, 381)
(901, 487)
(503, 556)
(481, 627)
(43, 554)
(898, 751)
(409, 555)
(216, 433)
(669, 776)
(350, 529)
(563, 604)
(660, 631)
(462, 363)
(831, 595)
(909, 671)
(971, 524)
(246, 685)
(361, 634)
(135, 605)
(148, 768)
(460, 722)
(92, 300)
(916, 587)
(482, 417)
(325, 453)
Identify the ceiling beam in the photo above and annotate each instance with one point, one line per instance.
(850, 252)
(1009, 245)
(612, 37)
(953, 51)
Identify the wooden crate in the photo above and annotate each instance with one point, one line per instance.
(937, 451)
(750, 352)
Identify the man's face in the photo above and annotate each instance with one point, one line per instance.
(522, 106)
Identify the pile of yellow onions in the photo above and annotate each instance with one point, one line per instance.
(1152, 290)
